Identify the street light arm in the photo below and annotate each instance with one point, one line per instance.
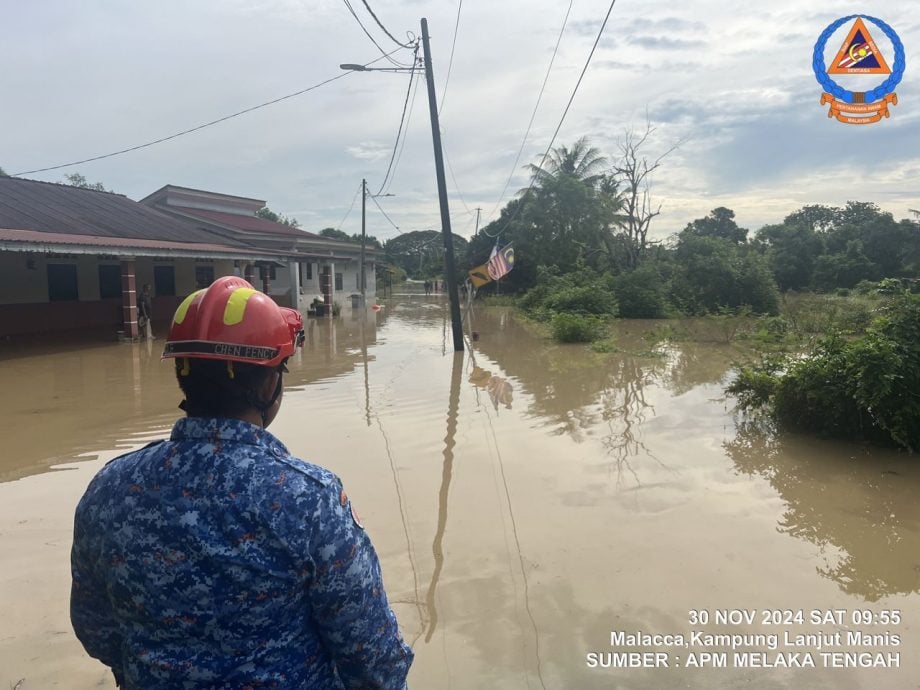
(348, 66)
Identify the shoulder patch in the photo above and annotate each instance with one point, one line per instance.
(318, 474)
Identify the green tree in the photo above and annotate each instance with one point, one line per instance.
(567, 215)
(77, 180)
(334, 234)
(844, 269)
(719, 223)
(421, 253)
(792, 248)
(713, 273)
(3, 173)
(266, 213)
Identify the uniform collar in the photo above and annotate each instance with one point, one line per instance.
(212, 429)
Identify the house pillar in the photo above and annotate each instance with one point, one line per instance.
(325, 286)
(294, 268)
(249, 273)
(129, 299)
(265, 275)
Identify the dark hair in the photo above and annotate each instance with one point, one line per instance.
(211, 391)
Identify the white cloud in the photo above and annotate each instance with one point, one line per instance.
(734, 79)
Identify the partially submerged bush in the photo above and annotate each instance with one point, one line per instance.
(865, 388)
(574, 304)
(576, 328)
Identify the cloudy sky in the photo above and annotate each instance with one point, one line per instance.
(735, 86)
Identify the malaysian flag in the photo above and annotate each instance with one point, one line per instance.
(501, 261)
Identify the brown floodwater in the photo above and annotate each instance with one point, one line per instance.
(527, 499)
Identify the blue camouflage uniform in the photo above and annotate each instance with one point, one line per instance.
(217, 560)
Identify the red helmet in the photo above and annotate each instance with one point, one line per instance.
(233, 321)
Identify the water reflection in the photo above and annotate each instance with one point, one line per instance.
(437, 546)
(70, 398)
(857, 504)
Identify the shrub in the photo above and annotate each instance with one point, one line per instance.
(576, 328)
(593, 298)
(865, 387)
(641, 294)
(580, 292)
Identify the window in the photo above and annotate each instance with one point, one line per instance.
(62, 282)
(339, 281)
(164, 281)
(109, 281)
(305, 269)
(204, 276)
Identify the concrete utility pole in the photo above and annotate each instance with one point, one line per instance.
(454, 297)
(478, 211)
(363, 237)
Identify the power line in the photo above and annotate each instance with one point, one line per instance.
(450, 63)
(402, 146)
(379, 208)
(368, 34)
(533, 115)
(562, 119)
(402, 120)
(453, 177)
(193, 129)
(348, 212)
(383, 28)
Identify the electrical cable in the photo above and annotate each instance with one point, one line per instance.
(402, 120)
(348, 212)
(561, 120)
(533, 115)
(383, 28)
(374, 199)
(368, 34)
(450, 63)
(194, 129)
(453, 177)
(402, 146)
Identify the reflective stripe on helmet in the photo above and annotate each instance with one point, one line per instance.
(236, 305)
(186, 303)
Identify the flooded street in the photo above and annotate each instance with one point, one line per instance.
(526, 499)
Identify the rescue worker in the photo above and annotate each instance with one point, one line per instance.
(215, 559)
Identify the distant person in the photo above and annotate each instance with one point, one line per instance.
(145, 313)
(215, 559)
(427, 287)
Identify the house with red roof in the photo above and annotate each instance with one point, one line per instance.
(316, 266)
(74, 258)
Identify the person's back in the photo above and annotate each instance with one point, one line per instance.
(216, 560)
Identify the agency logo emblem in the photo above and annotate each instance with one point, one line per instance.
(859, 55)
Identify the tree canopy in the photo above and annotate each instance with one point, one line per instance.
(266, 213)
(421, 253)
(334, 234)
(77, 180)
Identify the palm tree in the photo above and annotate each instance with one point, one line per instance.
(582, 162)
